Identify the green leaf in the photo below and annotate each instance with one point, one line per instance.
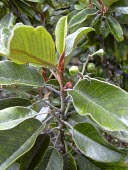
(6, 25)
(122, 10)
(73, 39)
(29, 45)
(12, 116)
(32, 158)
(14, 166)
(12, 73)
(52, 161)
(105, 103)
(91, 144)
(12, 101)
(74, 118)
(121, 50)
(84, 163)
(115, 28)
(69, 162)
(17, 141)
(101, 26)
(40, 1)
(108, 3)
(25, 8)
(6, 21)
(123, 3)
(60, 34)
(81, 16)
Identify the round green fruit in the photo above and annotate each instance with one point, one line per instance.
(73, 70)
(91, 67)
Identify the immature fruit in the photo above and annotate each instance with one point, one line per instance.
(91, 67)
(73, 70)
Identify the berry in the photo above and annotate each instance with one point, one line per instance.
(73, 70)
(91, 67)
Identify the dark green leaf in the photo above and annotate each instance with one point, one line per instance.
(52, 161)
(32, 158)
(12, 73)
(12, 101)
(17, 141)
(25, 8)
(109, 2)
(69, 162)
(115, 28)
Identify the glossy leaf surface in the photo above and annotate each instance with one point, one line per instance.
(12, 73)
(81, 16)
(12, 116)
(17, 141)
(91, 144)
(115, 28)
(105, 103)
(73, 39)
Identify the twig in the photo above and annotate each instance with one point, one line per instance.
(73, 148)
(57, 138)
(84, 66)
(67, 109)
(52, 106)
(46, 120)
(52, 89)
(66, 123)
(59, 120)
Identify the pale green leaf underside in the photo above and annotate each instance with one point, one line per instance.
(12, 116)
(60, 34)
(73, 39)
(122, 10)
(115, 28)
(92, 145)
(29, 45)
(12, 73)
(17, 141)
(105, 103)
(51, 161)
(6, 26)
